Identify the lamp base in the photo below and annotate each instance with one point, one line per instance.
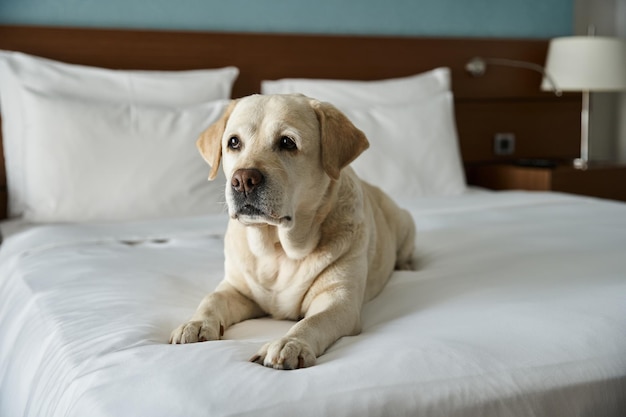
(580, 163)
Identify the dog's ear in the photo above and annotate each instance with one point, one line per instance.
(342, 142)
(210, 141)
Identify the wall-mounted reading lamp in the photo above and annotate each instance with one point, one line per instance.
(477, 67)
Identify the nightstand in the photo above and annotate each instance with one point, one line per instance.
(598, 180)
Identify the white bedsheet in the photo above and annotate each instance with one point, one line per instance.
(518, 309)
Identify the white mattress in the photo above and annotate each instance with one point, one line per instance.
(518, 309)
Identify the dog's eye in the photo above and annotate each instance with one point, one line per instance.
(287, 144)
(234, 143)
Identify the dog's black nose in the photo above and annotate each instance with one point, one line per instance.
(246, 180)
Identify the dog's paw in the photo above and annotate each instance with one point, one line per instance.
(285, 353)
(197, 331)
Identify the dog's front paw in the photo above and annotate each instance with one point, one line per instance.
(285, 353)
(197, 331)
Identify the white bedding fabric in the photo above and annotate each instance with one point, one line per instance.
(518, 309)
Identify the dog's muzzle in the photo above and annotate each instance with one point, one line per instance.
(250, 199)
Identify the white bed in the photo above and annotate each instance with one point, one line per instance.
(518, 306)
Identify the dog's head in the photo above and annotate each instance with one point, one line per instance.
(279, 153)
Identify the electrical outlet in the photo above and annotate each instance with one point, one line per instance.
(504, 143)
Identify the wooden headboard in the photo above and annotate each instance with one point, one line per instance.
(504, 100)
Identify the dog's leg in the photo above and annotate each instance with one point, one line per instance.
(217, 311)
(331, 315)
(405, 257)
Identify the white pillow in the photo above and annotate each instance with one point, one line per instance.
(105, 161)
(159, 88)
(413, 148)
(350, 93)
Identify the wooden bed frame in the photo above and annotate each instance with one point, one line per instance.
(504, 100)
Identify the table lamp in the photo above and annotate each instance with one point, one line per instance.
(586, 64)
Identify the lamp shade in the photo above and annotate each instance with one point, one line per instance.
(586, 63)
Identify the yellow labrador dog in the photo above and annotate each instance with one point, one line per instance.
(307, 239)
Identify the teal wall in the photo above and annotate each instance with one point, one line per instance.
(480, 18)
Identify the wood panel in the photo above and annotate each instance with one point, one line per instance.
(542, 128)
(262, 56)
(504, 100)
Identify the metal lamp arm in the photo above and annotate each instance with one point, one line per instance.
(477, 67)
